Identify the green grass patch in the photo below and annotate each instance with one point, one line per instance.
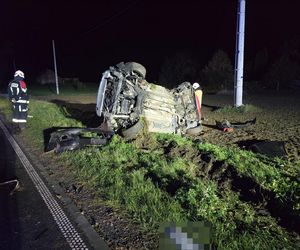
(279, 176)
(236, 224)
(119, 175)
(45, 115)
(6, 108)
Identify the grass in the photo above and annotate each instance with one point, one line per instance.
(45, 115)
(158, 182)
(115, 170)
(6, 108)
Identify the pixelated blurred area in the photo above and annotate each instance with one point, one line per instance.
(185, 236)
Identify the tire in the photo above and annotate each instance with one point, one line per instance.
(194, 131)
(136, 68)
(133, 131)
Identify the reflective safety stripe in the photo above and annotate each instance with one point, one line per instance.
(15, 86)
(20, 109)
(18, 120)
(22, 101)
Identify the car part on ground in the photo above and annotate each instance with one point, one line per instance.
(269, 148)
(71, 139)
(134, 130)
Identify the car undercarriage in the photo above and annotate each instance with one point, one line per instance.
(127, 104)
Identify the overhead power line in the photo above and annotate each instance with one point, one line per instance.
(111, 18)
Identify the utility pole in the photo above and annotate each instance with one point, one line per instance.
(55, 68)
(239, 55)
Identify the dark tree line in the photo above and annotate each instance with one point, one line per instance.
(276, 71)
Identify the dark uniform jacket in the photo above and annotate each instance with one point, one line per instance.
(17, 90)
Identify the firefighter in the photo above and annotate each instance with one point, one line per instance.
(198, 98)
(17, 93)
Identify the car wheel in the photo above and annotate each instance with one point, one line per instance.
(194, 131)
(133, 131)
(136, 68)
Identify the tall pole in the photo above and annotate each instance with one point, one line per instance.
(239, 55)
(55, 68)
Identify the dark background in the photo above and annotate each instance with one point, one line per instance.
(92, 35)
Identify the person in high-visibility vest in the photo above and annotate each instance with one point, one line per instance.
(198, 97)
(17, 93)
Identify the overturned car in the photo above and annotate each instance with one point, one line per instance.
(128, 104)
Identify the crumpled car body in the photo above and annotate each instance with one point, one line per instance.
(125, 100)
(128, 104)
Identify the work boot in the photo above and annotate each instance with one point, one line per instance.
(22, 126)
(15, 128)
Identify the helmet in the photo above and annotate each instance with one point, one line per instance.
(196, 85)
(19, 73)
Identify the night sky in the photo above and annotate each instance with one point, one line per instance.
(92, 35)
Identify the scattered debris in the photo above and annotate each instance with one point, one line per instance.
(269, 148)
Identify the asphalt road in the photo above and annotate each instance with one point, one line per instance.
(25, 221)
